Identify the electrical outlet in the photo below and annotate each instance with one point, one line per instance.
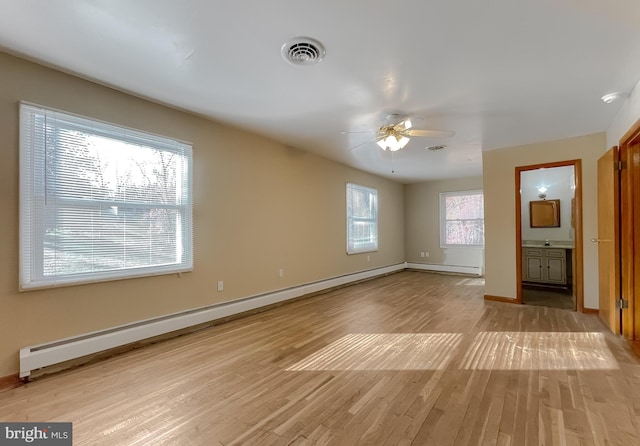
(281, 272)
(220, 285)
(368, 258)
(426, 254)
(421, 253)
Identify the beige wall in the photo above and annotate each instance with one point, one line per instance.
(499, 198)
(627, 116)
(422, 223)
(259, 206)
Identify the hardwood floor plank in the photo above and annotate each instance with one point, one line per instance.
(413, 358)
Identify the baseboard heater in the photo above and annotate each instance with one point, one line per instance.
(42, 355)
(459, 269)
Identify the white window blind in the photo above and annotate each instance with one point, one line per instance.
(462, 218)
(100, 202)
(362, 219)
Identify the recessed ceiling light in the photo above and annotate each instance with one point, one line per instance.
(609, 98)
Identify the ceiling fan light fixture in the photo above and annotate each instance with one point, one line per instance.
(393, 143)
(403, 141)
(394, 137)
(389, 143)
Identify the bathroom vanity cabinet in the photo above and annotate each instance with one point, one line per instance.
(545, 264)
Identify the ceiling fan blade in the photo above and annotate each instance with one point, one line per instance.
(361, 131)
(364, 142)
(431, 133)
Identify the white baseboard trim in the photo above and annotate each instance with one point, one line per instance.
(475, 270)
(42, 355)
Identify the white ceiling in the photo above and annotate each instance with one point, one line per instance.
(498, 73)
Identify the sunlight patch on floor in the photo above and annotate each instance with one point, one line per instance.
(479, 281)
(384, 351)
(539, 351)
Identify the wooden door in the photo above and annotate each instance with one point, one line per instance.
(608, 249)
(632, 237)
(630, 231)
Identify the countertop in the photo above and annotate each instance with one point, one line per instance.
(557, 245)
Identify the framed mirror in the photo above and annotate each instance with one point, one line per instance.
(545, 213)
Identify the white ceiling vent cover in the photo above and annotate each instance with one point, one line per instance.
(303, 51)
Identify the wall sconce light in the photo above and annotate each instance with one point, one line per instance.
(542, 191)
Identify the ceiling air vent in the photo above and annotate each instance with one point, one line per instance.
(303, 51)
(436, 148)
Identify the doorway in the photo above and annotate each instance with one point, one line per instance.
(549, 235)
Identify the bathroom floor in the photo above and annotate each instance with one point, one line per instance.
(548, 297)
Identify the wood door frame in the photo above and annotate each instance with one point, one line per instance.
(629, 237)
(578, 275)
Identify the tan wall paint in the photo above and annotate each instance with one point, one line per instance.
(258, 206)
(422, 222)
(499, 199)
(626, 117)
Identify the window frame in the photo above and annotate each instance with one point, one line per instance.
(361, 247)
(34, 206)
(443, 220)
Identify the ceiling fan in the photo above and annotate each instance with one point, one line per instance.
(395, 136)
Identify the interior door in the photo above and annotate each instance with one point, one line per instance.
(631, 236)
(608, 247)
(630, 233)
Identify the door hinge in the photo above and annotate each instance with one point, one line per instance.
(622, 165)
(622, 304)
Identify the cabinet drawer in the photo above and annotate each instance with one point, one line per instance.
(555, 252)
(533, 252)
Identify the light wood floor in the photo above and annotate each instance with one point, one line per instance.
(409, 359)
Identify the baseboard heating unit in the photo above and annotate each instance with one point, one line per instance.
(43, 355)
(458, 269)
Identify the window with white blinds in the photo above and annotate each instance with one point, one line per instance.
(362, 219)
(100, 202)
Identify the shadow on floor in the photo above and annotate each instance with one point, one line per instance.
(548, 297)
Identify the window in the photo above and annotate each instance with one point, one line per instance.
(362, 219)
(462, 218)
(100, 202)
